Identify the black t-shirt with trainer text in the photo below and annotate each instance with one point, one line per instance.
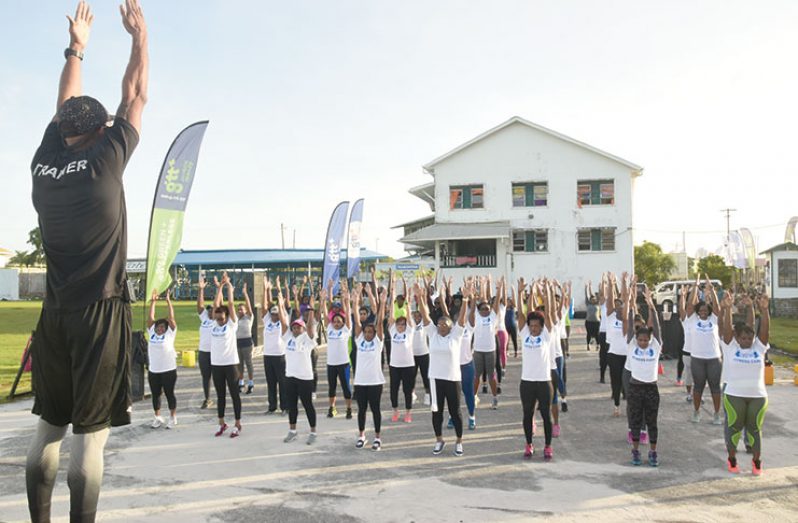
(80, 200)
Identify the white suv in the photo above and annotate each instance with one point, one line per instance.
(666, 294)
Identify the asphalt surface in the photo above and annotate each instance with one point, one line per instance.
(187, 474)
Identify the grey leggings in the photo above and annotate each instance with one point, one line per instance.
(84, 477)
(245, 358)
(706, 371)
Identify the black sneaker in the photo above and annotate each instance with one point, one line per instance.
(498, 390)
(348, 413)
(249, 388)
(377, 445)
(564, 405)
(484, 389)
(204, 404)
(331, 412)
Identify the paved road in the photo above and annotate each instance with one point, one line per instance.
(188, 475)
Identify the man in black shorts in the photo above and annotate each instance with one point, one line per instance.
(82, 342)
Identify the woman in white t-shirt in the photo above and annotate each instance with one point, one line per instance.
(273, 352)
(535, 388)
(486, 324)
(244, 342)
(368, 372)
(339, 333)
(616, 355)
(298, 366)
(642, 395)
(224, 358)
(205, 313)
(705, 358)
(402, 366)
(420, 354)
(445, 340)
(162, 368)
(745, 397)
(502, 338)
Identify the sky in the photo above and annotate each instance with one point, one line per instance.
(314, 102)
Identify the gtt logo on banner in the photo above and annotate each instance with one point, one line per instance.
(333, 251)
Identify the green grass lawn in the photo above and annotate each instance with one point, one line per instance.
(784, 336)
(18, 319)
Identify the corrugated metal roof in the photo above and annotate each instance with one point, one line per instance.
(246, 257)
(787, 246)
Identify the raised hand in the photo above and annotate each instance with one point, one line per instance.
(202, 283)
(763, 302)
(245, 288)
(154, 296)
(216, 282)
(133, 18)
(169, 296)
(80, 26)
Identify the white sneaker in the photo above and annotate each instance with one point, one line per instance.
(415, 398)
(427, 399)
(495, 403)
(172, 423)
(157, 422)
(716, 419)
(696, 417)
(314, 396)
(291, 436)
(476, 401)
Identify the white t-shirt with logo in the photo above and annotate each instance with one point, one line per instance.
(272, 337)
(535, 355)
(466, 353)
(603, 319)
(705, 337)
(401, 347)
(161, 350)
(297, 355)
(368, 370)
(420, 346)
(224, 350)
(338, 345)
(554, 339)
(444, 353)
(485, 332)
(745, 369)
(206, 324)
(644, 363)
(615, 337)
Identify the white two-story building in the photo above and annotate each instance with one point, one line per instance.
(523, 200)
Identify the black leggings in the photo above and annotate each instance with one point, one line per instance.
(299, 390)
(422, 363)
(512, 332)
(616, 363)
(274, 367)
(604, 348)
(368, 396)
(335, 374)
(642, 407)
(205, 372)
(592, 328)
(532, 393)
(314, 359)
(163, 381)
(404, 376)
(226, 374)
(448, 391)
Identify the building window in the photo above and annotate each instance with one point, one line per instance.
(596, 239)
(788, 273)
(530, 240)
(530, 194)
(595, 192)
(466, 197)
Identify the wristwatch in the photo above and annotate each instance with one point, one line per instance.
(71, 52)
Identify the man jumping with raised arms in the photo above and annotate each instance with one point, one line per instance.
(82, 341)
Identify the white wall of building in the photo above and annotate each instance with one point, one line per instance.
(519, 153)
(9, 284)
(776, 291)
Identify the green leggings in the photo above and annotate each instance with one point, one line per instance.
(748, 413)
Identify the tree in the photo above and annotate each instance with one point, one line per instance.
(715, 267)
(651, 264)
(30, 258)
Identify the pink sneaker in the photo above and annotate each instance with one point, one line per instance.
(629, 437)
(395, 417)
(408, 418)
(528, 451)
(644, 438)
(221, 430)
(555, 431)
(548, 453)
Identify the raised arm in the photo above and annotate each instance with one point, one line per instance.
(711, 293)
(345, 304)
(610, 294)
(764, 318)
(281, 312)
(171, 318)
(548, 306)
(323, 307)
(151, 318)
(683, 303)
(379, 323)
(311, 326)
(69, 84)
(217, 299)
(134, 83)
(691, 303)
(519, 309)
(468, 294)
(247, 303)
(444, 305)
(231, 305)
(627, 315)
(266, 303)
(391, 316)
(725, 321)
(653, 315)
(357, 296)
(421, 302)
(201, 294)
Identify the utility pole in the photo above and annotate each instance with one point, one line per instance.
(282, 234)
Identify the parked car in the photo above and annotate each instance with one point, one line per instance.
(666, 294)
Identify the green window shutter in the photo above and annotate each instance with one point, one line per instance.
(466, 198)
(530, 194)
(595, 193)
(530, 241)
(595, 239)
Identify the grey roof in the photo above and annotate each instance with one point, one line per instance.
(226, 258)
(788, 246)
(459, 231)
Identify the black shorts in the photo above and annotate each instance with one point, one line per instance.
(81, 366)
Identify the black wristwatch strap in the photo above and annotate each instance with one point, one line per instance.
(71, 52)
